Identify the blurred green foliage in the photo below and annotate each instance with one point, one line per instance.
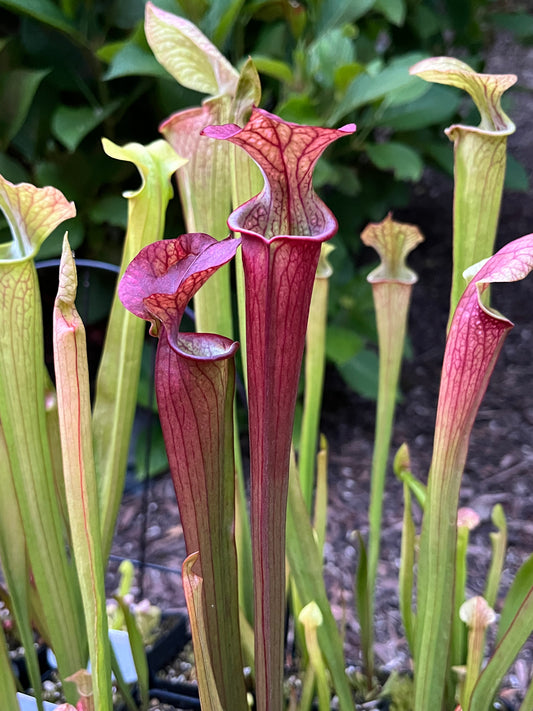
(72, 71)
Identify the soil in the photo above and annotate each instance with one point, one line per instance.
(501, 449)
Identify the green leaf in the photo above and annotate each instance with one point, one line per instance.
(401, 159)
(71, 125)
(44, 11)
(145, 390)
(368, 87)
(62, 170)
(193, 9)
(272, 40)
(247, 93)
(405, 94)
(127, 13)
(342, 344)
(519, 23)
(111, 210)
(12, 170)
(391, 284)
(300, 109)
(218, 21)
(183, 8)
(393, 10)
(403, 472)
(132, 60)
(442, 155)
(274, 68)
(516, 177)
(435, 107)
(320, 514)
(345, 74)
(342, 177)
(52, 246)
(424, 21)
(106, 52)
(361, 373)
(125, 689)
(338, 12)
(522, 584)
(150, 452)
(329, 51)
(187, 54)
(17, 89)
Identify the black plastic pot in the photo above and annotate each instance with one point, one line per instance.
(21, 670)
(167, 647)
(181, 696)
(169, 644)
(163, 652)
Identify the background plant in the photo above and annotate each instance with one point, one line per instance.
(74, 70)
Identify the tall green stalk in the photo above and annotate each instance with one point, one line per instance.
(32, 214)
(474, 342)
(392, 282)
(192, 586)
(467, 520)
(477, 616)
(212, 179)
(315, 365)
(407, 555)
(15, 568)
(246, 181)
(305, 561)
(498, 541)
(74, 404)
(479, 160)
(7, 683)
(120, 365)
